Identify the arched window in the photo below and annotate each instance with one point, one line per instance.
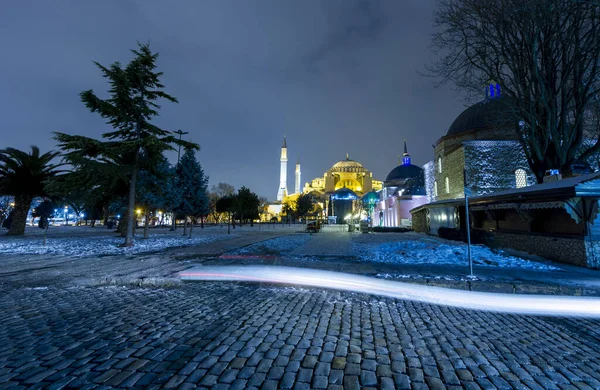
(435, 192)
(521, 178)
(439, 164)
(447, 185)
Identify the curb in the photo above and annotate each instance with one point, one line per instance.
(512, 288)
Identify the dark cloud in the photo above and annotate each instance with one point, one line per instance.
(335, 76)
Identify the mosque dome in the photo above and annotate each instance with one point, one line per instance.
(348, 165)
(489, 113)
(370, 197)
(403, 172)
(344, 194)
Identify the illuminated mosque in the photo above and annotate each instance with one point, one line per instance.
(348, 183)
(347, 174)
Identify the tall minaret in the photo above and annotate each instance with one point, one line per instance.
(297, 183)
(283, 173)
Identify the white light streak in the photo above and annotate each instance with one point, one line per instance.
(547, 305)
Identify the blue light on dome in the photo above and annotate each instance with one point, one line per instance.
(406, 160)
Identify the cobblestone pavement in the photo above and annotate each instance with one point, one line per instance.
(239, 336)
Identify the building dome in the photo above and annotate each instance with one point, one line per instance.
(403, 172)
(348, 165)
(344, 194)
(370, 197)
(491, 112)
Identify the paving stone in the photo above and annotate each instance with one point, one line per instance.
(241, 341)
(287, 381)
(304, 375)
(351, 382)
(368, 378)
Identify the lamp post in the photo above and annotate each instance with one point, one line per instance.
(179, 149)
(66, 215)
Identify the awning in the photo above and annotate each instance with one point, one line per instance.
(522, 206)
(578, 208)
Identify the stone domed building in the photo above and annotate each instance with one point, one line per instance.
(403, 190)
(344, 174)
(481, 145)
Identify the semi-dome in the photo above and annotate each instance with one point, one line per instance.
(491, 112)
(402, 172)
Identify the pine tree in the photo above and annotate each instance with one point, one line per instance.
(192, 186)
(130, 108)
(153, 188)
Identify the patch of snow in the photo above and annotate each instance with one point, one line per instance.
(439, 253)
(101, 246)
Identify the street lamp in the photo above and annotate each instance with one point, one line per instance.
(180, 134)
(66, 215)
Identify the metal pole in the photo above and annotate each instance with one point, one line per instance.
(468, 234)
(467, 190)
(179, 149)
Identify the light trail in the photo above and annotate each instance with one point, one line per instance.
(547, 305)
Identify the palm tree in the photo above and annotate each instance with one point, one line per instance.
(24, 176)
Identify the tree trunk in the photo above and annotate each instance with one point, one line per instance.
(19, 218)
(191, 227)
(185, 226)
(146, 221)
(174, 222)
(229, 224)
(122, 225)
(105, 215)
(202, 222)
(131, 204)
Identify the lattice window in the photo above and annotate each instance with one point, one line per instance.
(521, 178)
(435, 192)
(447, 185)
(439, 164)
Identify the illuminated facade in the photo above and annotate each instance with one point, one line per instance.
(403, 190)
(348, 174)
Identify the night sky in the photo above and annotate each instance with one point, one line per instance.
(335, 77)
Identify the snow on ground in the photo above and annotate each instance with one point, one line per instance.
(274, 246)
(101, 245)
(416, 249)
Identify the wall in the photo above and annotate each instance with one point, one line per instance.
(446, 217)
(453, 163)
(560, 249)
(396, 209)
(593, 254)
(429, 171)
(419, 221)
(491, 165)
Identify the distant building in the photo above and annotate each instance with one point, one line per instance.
(403, 190)
(348, 174)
